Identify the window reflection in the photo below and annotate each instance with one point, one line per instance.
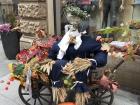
(91, 6)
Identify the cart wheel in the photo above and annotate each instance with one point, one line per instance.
(40, 97)
(101, 96)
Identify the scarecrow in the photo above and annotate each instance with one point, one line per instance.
(81, 50)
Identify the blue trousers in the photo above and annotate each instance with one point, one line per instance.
(56, 76)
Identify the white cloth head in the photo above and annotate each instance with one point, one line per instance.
(64, 43)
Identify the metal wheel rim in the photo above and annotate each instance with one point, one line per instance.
(41, 100)
(102, 96)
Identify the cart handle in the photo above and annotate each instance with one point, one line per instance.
(118, 65)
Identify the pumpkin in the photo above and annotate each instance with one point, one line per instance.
(67, 103)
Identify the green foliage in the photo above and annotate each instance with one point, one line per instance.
(76, 11)
(123, 32)
(68, 82)
(110, 30)
(19, 70)
(11, 18)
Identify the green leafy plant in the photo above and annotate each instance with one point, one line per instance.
(11, 18)
(110, 30)
(19, 70)
(75, 11)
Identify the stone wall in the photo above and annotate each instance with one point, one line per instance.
(33, 14)
(28, 27)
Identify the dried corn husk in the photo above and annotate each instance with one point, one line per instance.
(47, 66)
(82, 98)
(30, 64)
(77, 65)
(34, 74)
(45, 61)
(59, 94)
(44, 77)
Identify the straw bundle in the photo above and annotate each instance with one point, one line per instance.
(82, 98)
(46, 66)
(78, 65)
(59, 94)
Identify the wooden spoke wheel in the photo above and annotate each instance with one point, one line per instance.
(42, 96)
(101, 96)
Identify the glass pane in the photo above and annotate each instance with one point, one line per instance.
(89, 24)
(8, 11)
(1, 14)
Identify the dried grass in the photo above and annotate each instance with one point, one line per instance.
(82, 98)
(59, 94)
(78, 65)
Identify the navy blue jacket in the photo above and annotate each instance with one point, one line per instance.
(89, 48)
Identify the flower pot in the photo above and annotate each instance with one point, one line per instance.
(11, 43)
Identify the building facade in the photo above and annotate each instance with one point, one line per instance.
(47, 14)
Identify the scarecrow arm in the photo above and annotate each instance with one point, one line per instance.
(53, 52)
(100, 57)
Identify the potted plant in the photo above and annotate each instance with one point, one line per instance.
(10, 40)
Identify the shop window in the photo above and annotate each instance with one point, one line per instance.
(89, 24)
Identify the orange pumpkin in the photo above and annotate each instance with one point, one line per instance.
(67, 103)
